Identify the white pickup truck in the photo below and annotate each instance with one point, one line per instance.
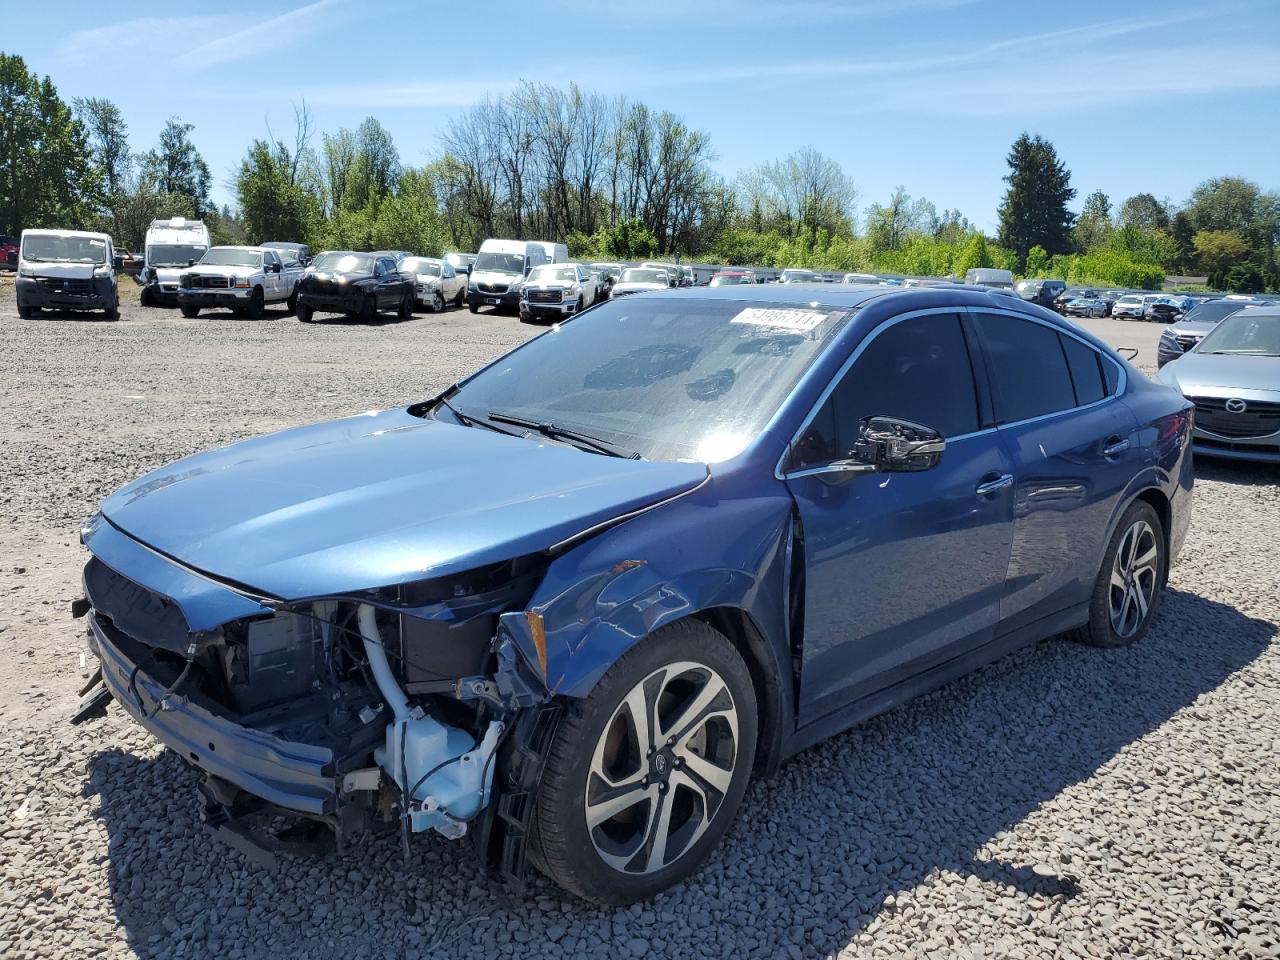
(242, 279)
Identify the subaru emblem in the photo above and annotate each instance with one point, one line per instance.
(1236, 405)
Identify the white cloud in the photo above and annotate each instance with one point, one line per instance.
(257, 36)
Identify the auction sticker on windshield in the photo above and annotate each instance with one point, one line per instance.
(801, 321)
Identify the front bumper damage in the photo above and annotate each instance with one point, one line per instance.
(346, 714)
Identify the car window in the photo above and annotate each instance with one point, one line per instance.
(917, 369)
(1086, 370)
(1028, 368)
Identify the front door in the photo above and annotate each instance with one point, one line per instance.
(903, 571)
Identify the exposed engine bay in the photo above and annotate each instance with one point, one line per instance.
(358, 713)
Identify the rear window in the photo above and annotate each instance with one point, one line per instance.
(1028, 367)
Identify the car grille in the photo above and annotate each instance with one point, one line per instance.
(544, 296)
(67, 287)
(493, 287)
(316, 285)
(1186, 341)
(1242, 447)
(208, 283)
(1259, 418)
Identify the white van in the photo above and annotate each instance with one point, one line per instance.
(500, 269)
(172, 245)
(989, 277)
(67, 270)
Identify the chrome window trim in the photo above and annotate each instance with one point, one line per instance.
(839, 375)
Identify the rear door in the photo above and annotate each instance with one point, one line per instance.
(1073, 448)
(903, 571)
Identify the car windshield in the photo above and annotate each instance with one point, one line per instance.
(51, 247)
(672, 379)
(1247, 333)
(1028, 286)
(174, 254)
(421, 266)
(608, 269)
(726, 281)
(798, 275)
(343, 263)
(549, 274)
(644, 275)
(231, 257)
(500, 263)
(1214, 310)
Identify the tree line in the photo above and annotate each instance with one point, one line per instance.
(612, 178)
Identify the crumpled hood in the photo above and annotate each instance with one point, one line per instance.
(62, 271)
(379, 499)
(1222, 373)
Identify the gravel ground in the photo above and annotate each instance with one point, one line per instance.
(1063, 801)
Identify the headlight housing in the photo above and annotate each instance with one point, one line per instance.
(26, 272)
(243, 283)
(101, 273)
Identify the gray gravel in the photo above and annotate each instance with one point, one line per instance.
(1063, 801)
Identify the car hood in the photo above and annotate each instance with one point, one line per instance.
(169, 274)
(221, 270)
(1194, 372)
(634, 287)
(324, 276)
(377, 500)
(62, 271)
(492, 276)
(1188, 328)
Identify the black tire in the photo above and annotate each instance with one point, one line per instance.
(474, 308)
(369, 309)
(304, 313)
(292, 302)
(25, 312)
(578, 306)
(257, 303)
(1102, 629)
(111, 313)
(406, 306)
(460, 298)
(563, 846)
(144, 297)
(188, 311)
(437, 302)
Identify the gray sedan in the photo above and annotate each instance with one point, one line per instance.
(1233, 377)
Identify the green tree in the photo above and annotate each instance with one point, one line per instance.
(888, 225)
(974, 255)
(1034, 211)
(1237, 205)
(273, 205)
(1244, 278)
(176, 167)
(108, 137)
(629, 240)
(1182, 233)
(1094, 225)
(408, 220)
(1145, 211)
(47, 175)
(1218, 251)
(1037, 262)
(1144, 245)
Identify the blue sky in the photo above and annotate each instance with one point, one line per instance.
(924, 93)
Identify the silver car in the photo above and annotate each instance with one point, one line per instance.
(1233, 377)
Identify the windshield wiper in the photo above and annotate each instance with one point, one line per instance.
(471, 420)
(555, 432)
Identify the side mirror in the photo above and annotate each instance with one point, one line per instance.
(191, 262)
(897, 446)
(275, 268)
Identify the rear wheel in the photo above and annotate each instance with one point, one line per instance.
(188, 311)
(437, 302)
(406, 306)
(1130, 583)
(645, 774)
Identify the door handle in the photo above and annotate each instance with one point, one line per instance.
(1115, 446)
(988, 487)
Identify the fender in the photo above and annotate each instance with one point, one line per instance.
(704, 551)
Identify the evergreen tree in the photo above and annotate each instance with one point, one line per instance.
(1034, 211)
(177, 169)
(1183, 234)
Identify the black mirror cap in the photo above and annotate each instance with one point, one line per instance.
(895, 445)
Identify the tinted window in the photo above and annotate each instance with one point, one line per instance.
(917, 369)
(1028, 367)
(1086, 374)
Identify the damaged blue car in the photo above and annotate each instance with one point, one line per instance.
(568, 607)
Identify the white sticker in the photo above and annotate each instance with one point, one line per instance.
(799, 320)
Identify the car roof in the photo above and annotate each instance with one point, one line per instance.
(1269, 310)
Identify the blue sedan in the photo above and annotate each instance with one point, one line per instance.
(572, 603)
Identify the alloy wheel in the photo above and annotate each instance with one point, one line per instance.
(661, 768)
(1135, 575)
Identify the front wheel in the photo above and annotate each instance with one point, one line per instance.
(292, 302)
(111, 313)
(26, 312)
(256, 304)
(474, 308)
(646, 773)
(406, 306)
(1130, 583)
(369, 309)
(189, 312)
(303, 312)
(458, 300)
